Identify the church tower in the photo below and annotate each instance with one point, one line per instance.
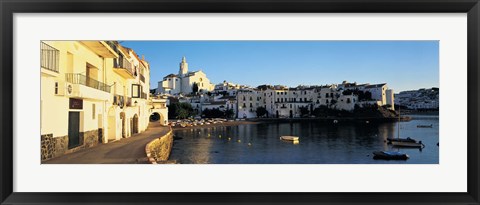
(183, 67)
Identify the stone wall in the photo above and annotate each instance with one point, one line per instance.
(56, 146)
(159, 149)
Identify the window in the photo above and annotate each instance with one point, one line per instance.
(93, 111)
(136, 90)
(56, 87)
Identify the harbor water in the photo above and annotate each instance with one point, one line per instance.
(320, 143)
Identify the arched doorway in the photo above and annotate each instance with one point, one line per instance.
(135, 124)
(158, 118)
(154, 117)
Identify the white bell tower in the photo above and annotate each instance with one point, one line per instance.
(183, 67)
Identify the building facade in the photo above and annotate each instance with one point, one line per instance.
(91, 92)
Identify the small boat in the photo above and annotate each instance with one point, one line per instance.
(404, 142)
(289, 138)
(425, 126)
(408, 144)
(408, 139)
(390, 155)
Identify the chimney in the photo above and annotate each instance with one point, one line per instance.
(143, 57)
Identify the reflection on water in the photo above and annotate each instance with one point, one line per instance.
(320, 143)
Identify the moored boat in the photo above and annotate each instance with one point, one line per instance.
(425, 126)
(408, 139)
(389, 155)
(408, 144)
(289, 138)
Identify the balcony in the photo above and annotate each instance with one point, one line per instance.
(49, 57)
(119, 100)
(104, 49)
(123, 67)
(87, 88)
(129, 102)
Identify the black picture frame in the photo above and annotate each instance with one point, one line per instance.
(10, 7)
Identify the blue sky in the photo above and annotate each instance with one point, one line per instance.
(404, 65)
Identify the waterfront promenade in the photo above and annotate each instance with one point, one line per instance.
(125, 151)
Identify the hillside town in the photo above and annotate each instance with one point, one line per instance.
(421, 99)
(267, 101)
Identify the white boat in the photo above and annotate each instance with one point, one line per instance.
(401, 142)
(289, 138)
(408, 144)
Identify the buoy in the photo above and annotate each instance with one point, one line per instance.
(249, 144)
(229, 139)
(239, 141)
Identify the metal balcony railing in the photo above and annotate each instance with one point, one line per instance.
(112, 45)
(49, 57)
(123, 63)
(129, 102)
(77, 78)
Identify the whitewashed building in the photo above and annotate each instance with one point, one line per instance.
(184, 81)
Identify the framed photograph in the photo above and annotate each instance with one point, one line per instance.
(240, 102)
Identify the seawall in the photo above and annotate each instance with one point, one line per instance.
(159, 149)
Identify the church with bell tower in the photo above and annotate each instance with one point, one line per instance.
(184, 81)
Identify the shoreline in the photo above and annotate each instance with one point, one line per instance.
(224, 124)
(280, 120)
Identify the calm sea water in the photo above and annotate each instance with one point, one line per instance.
(320, 143)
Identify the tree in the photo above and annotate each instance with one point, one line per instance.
(195, 88)
(213, 113)
(368, 95)
(321, 111)
(229, 113)
(179, 110)
(261, 111)
(303, 111)
(182, 114)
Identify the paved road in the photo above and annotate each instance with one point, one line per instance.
(125, 151)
